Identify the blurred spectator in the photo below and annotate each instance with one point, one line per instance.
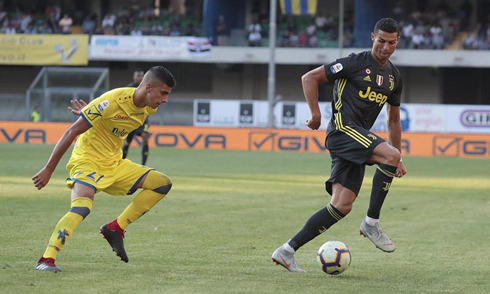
(313, 41)
(221, 32)
(156, 29)
(174, 31)
(109, 20)
(88, 24)
(254, 38)
(303, 39)
(191, 31)
(311, 29)
(136, 32)
(255, 27)
(321, 22)
(65, 24)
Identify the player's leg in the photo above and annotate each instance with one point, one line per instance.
(155, 187)
(144, 149)
(387, 157)
(81, 204)
(127, 142)
(343, 185)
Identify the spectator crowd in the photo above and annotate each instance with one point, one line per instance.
(436, 27)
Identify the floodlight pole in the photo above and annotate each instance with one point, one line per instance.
(271, 81)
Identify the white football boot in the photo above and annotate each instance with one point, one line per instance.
(286, 259)
(377, 236)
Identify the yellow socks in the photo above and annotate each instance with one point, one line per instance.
(80, 208)
(156, 187)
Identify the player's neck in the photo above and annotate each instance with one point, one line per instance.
(379, 61)
(139, 98)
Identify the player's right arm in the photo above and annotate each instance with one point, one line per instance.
(42, 178)
(310, 82)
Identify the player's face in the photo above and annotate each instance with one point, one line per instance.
(384, 44)
(157, 94)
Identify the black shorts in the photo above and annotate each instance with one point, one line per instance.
(350, 150)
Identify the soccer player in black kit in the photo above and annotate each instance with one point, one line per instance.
(363, 83)
(142, 131)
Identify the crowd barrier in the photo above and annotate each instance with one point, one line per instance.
(256, 139)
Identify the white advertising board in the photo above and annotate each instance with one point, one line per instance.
(147, 48)
(432, 118)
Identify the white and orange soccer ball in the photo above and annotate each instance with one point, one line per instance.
(334, 257)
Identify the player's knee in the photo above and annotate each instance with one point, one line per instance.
(158, 182)
(345, 208)
(393, 157)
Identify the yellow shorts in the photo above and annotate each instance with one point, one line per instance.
(118, 180)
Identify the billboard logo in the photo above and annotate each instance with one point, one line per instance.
(289, 115)
(476, 118)
(246, 113)
(203, 114)
(446, 146)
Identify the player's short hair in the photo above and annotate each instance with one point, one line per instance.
(388, 25)
(163, 75)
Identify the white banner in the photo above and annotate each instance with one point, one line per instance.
(147, 48)
(433, 118)
(230, 113)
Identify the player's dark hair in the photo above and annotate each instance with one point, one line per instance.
(388, 25)
(162, 74)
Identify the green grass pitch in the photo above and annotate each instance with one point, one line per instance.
(228, 211)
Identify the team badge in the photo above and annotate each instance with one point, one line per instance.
(103, 105)
(336, 68)
(392, 82)
(379, 80)
(92, 112)
(368, 71)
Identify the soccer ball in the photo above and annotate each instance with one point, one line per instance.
(334, 257)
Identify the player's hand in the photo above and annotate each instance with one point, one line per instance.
(42, 178)
(401, 170)
(314, 122)
(78, 105)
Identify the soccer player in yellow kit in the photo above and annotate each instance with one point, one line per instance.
(96, 163)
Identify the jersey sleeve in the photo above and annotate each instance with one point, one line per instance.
(341, 68)
(395, 97)
(96, 110)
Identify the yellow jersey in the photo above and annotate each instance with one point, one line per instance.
(111, 118)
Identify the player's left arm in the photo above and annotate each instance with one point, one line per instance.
(395, 135)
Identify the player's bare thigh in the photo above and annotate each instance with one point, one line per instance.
(81, 190)
(342, 198)
(386, 154)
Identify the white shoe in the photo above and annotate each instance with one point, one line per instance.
(377, 236)
(286, 259)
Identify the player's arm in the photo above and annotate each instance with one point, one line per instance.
(42, 178)
(395, 134)
(310, 82)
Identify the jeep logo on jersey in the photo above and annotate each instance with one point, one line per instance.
(289, 115)
(203, 114)
(373, 96)
(246, 113)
